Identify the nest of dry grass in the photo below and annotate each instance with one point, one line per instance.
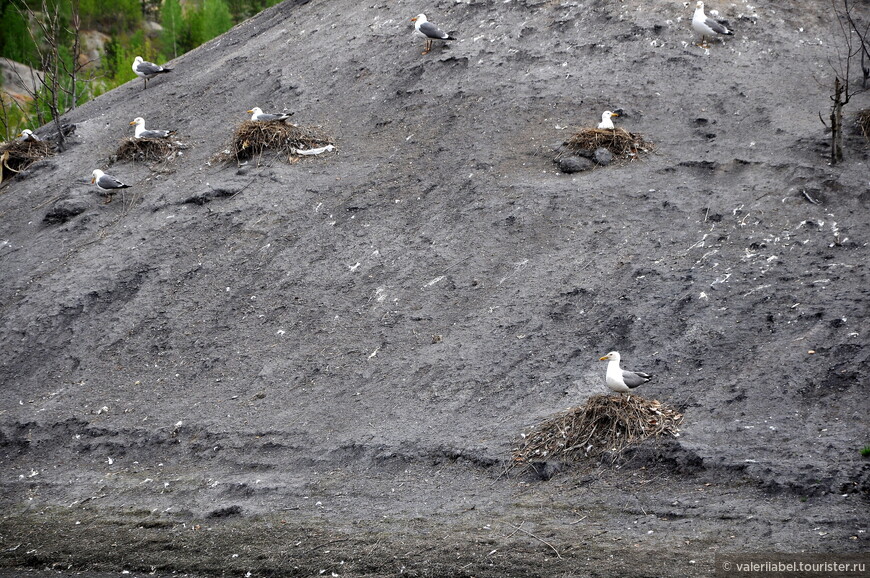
(863, 122)
(149, 149)
(18, 155)
(620, 142)
(607, 423)
(255, 138)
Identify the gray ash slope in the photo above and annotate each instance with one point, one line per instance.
(436, 286)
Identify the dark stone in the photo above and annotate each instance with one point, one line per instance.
(574, 164)
(603, 156)
(65, 209)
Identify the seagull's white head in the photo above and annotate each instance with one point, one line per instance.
(97, 174)
(137, 60)
(612, 356)
(606, 115)
(699, 6)
(419, 19)
(256, 110)
(138, 121)
(26, 132)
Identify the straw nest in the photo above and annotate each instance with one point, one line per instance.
(149, 149)
(620, 142)
(18, 155)
(254, 138)
(863, 122)
(607, 423)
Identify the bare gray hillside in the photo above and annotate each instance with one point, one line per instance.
(324, 365)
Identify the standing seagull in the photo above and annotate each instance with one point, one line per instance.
(706, 26)
(141, 132)
(108, 184)
(619, 380)
(606, 121)
(146, 70)
(429, 31)
(258, 115)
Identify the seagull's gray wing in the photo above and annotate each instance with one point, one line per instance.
(109, 182)
(148, 68)
(154, 133)
(635, 378)
(716, 26)
(432, 31)
(269, 117)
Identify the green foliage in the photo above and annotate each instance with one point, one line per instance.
(15, 41)
(211, 19)
(865, 451)
(172, 21)
(120, 53)
(12, 119)
(110, 16)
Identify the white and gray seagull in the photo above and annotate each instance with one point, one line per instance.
(621, 380)
(27, 135)
(257, 115)
(142, 132)
(706, 26)
(427, 30)
(108, 184)
(146, 70)
(606, 120)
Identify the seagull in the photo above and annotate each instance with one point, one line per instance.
(429, 31)
(605, 119)
(620, 380)
(706, 26)
(27, 135)
(146, 70)
(141, 132)
(258, 115)
(108, 184)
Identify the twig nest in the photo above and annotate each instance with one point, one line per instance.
(149, 149)
(253, 138)
(18, 155)
(606, 423)
(603, 146)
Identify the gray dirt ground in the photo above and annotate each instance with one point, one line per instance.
(324, 365)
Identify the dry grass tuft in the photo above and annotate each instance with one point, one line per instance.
(618, 141)
(607, 423)
(149, 149)
(863, 122)
(18, 155)
(254, 138)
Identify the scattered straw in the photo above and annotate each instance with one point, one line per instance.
(149, 149)
(607, 423)
(863, 122)
(18, 155)
(254, 138)
(618, 141)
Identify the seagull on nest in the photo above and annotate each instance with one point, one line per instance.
(620, 380)
(706, 26)
(606, 121)
(108, 184)
(27, 135)
(146, 70)
(429, 31)
(141, 132)
(258, 115)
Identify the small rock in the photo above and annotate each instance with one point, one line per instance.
(603, 156)
(574, 164)
(65, 209)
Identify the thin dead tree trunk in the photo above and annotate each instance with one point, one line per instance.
(837, 122)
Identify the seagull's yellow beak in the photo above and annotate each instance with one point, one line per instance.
(93, 180)
(414, 19)
(132, 122)
(605, 358)
(251, 111)
(613, 114)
